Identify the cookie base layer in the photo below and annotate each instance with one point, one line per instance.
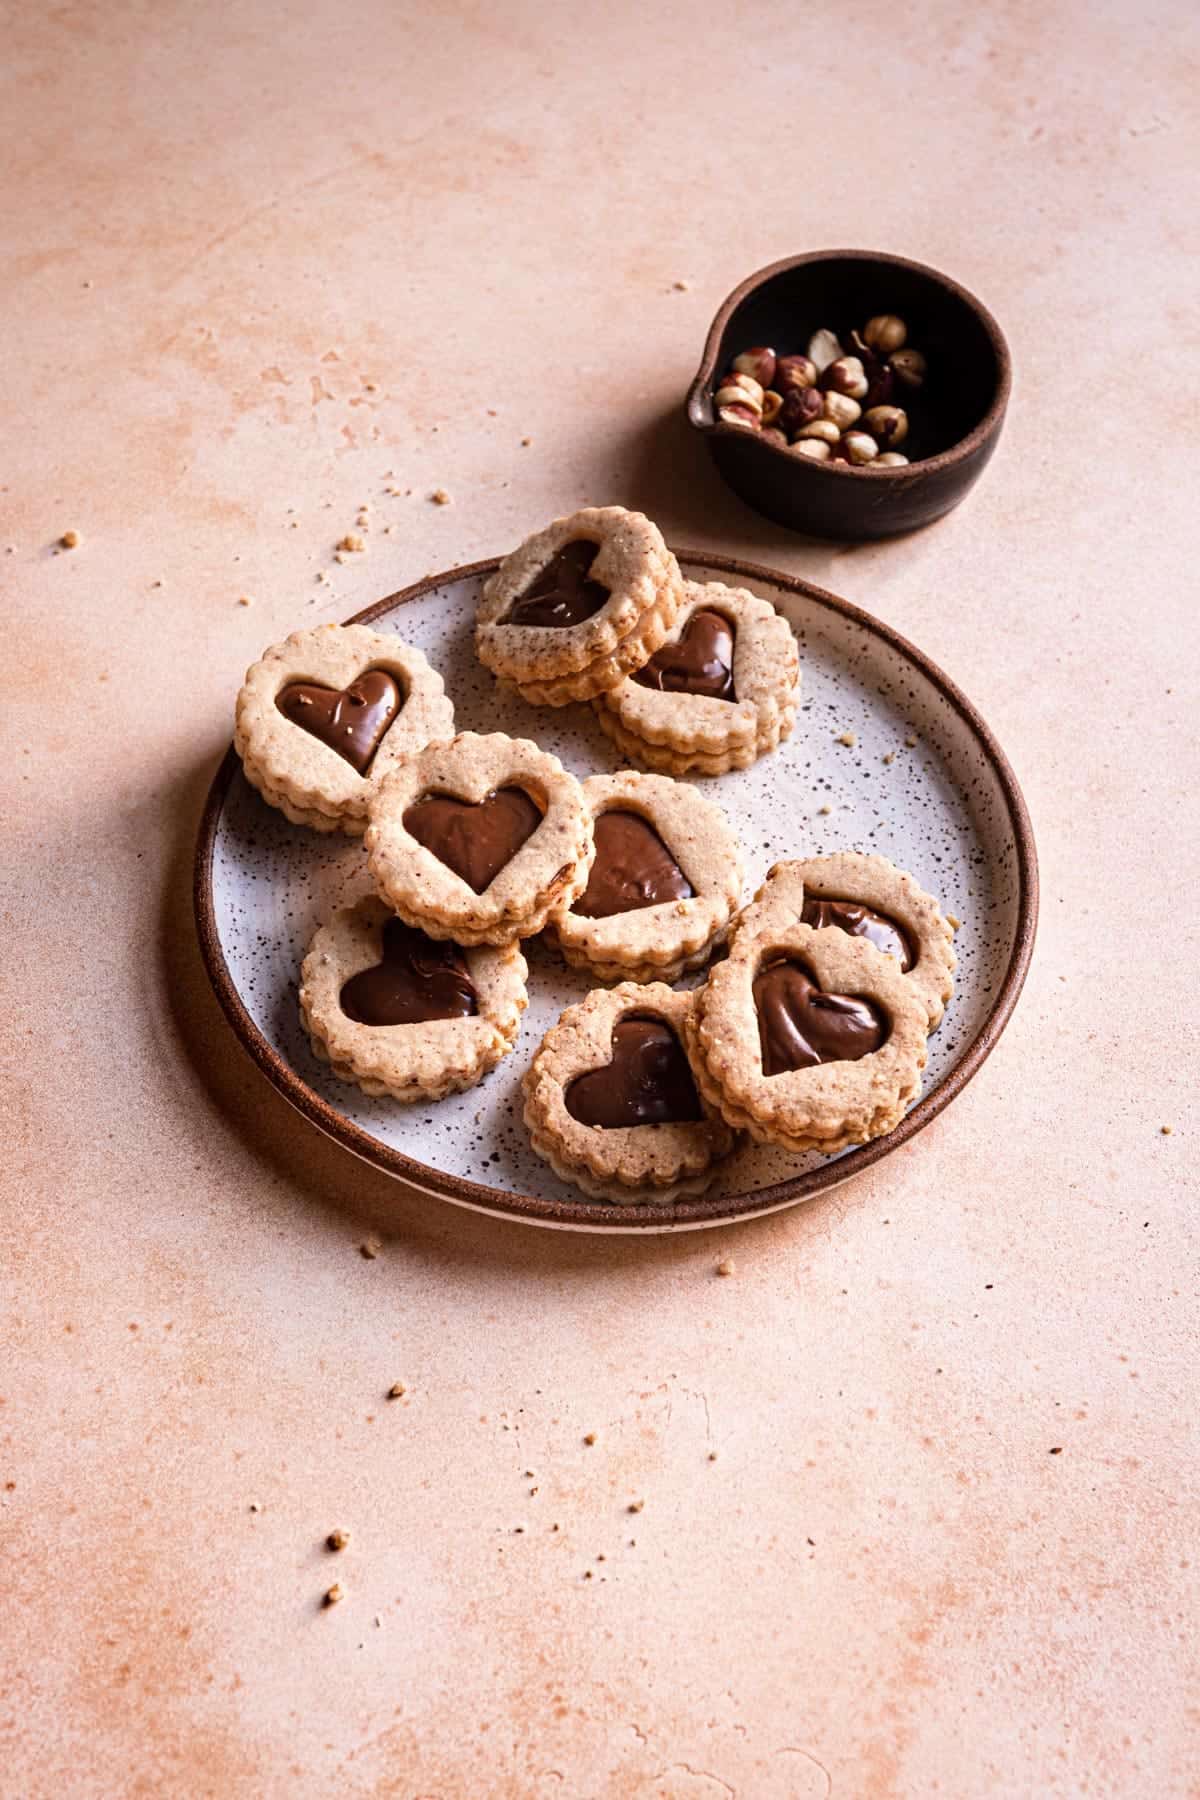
(665, 759)
(502, 931)
(454, 1081)
(608, 671)
(349, 824)
(641, 972)
(616, 1191)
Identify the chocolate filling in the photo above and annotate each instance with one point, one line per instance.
(478, 839)
(648, 1081)
(699, 661)
(633, 868)
(562, 594)
(860, 921)
(800, 1025)
(351, 720)
(418, 979)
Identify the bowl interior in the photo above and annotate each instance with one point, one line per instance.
(842, 293)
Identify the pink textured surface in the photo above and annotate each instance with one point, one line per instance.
(256, 257)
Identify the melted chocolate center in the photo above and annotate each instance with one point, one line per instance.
(562, 594)
(800, 1025)
(700, 661)
(648, 1081)
(633, 868)
(418, 979)
(860, 921)
(476, 840)
(351, 720)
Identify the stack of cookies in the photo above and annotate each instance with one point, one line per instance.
(810, 1034)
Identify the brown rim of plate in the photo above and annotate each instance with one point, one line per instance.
(595, 1214)
(699, 401)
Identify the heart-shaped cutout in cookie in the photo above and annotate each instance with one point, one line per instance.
(699, 661)
(633, 868)
(563, 594)
(800, 1025)
(860, 921)
(418, 979)
(475, 839)
(351, 720)
(648, 1081)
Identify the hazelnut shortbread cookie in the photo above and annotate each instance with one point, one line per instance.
(324, 716)
(717, 695)
(612, 1105)
(869, 897)
(400, 1013)
(577, 606)
(479, 839)
(808, 1039)
(667, 876)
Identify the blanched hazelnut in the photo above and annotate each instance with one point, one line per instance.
(908, 366)
(823, 430)
(800, 407)
(773, 435)
(812, 449)
(885, 333)
(823, 348)
(735, 414)
(858, 447)
(844, 411)
(759, 362)
(846, 376)
(745, 385)
(795, 372)
(891, 459)
(770, 406)
(888, 425)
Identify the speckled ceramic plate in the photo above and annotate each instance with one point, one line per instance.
(948, 809)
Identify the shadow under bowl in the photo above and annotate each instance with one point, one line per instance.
(955, 418)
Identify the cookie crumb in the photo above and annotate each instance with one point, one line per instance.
(440, 497)
(1166, 1130)
(69, 540)
(332, 1595)
(1056, 1449)
(635, 1506)
(910, 743)
(589, 1437)
(953, 923)
(525, 443)
(824, 809)
(245, 600)
(369, 1249)
(337, 1540)
(254, 1506)
(726, 1267)
(890, 756)
(396, 1391)
(681, 287)
(712, 1456)
(849, 738)
(351, 541)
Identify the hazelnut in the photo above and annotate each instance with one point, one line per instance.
(795, 372)
(771, 405)
(891, 459)
(759, 363)
(800, 407)
(824, 348)
(740, 389)
(858, 447)
(812, 450)
(885, 333)
(823, 430)
(887, 424)
(844, 411)
(773, 435)
(745, 417)
(908, 366)
(846, 376)
(880, 383)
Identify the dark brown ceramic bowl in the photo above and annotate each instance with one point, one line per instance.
(954, 423)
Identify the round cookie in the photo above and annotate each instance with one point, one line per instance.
(867, 896)
(399, 1013)
(612, 1105)
(479, 839)
(719, 692)
(663, 886)
(577, 606)
(324, 716)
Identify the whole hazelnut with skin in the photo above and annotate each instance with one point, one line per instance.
(771, 405)
(749, 389)
(800, 407)
(891, 459)
(908, 366)
(812, 449)
(795, 372)
(885, 333)
(821, 430)
(858, 447)
(773, 435)
(888, 425)
(844, 411)
(759, 363)
(880, 384)
(846, 375)
(735, 414)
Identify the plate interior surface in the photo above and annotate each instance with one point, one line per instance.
(944, 807)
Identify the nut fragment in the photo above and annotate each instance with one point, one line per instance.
(812, 450)
(844, 411)
(885, 333)
(332, 1595)
(736, 386)
(908, 366)
(891, 459)
(800, 407)
(823, 348)
(337, 1540)
(858, 447)
(770, 406)
(846, 375)
(888, 425)
(795, 372)
(69, 540)
(823, 429)
(759, 363)
(744, 416)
